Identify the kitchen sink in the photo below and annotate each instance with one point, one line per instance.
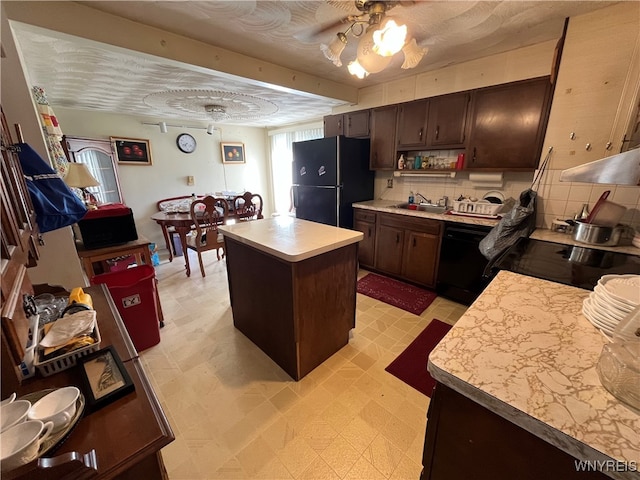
(422, 207)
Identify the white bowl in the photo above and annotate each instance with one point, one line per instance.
(13, 413)
(58, 407)
(20, 444)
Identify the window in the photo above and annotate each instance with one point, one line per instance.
(97, 156)
(281, 159)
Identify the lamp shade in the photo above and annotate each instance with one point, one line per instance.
(78, 176)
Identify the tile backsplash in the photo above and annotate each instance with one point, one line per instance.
(556, 200)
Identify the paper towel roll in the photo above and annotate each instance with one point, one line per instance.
(486, 179)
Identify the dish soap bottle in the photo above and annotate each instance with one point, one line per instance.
(411, 199)
(401, 162)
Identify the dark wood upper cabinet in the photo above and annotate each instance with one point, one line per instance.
(351, 124)
(411, 131)
(434, 122)
(447, 120)
(333, 126)
(356, 124)
(507, 125)
(383, 142)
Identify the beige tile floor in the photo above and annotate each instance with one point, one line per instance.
(237, 415)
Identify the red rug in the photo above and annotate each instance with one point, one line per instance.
(411, 364)
(399, 294)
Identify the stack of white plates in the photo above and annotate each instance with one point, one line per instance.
(612, 299)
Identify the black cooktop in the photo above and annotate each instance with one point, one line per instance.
(568, 264)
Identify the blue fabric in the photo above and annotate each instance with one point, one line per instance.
(56, 206)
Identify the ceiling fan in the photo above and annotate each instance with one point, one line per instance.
(379, 39)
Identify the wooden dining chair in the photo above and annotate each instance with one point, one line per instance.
(248, 206)
(208, 214)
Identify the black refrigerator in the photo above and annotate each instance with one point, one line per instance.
(329, 174)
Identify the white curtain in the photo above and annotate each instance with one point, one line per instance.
(281, 158)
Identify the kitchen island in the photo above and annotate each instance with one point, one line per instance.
(292, 286)
(518, 395)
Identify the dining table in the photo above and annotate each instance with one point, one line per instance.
(182, 223)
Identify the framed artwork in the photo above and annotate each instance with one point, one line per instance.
(132, 151)
(232, 152)
(105, 377)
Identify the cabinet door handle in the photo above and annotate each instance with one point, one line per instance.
(420, 134)
(414, 242)
(473, 159)
(437, 131)
(369, 231)
(397, 238)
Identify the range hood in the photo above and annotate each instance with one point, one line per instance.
(620, 169)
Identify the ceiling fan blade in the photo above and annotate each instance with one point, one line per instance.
(315, 34)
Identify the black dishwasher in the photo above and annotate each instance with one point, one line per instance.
(460, 273)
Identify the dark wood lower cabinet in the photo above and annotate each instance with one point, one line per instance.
(365, 222)
(465, 440)
(408, 248)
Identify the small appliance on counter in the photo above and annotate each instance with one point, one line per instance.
(106, 226)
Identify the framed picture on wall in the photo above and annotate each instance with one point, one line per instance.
(132, 151)
(232, 152)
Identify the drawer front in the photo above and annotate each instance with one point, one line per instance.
(365, 216)
(423, 225)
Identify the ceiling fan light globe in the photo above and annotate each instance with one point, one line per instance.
(356, 70)
(389, 39)
(368, 58)
(334, 49)
(413, 54)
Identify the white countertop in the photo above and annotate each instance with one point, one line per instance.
(289, 238)
(389, 206)
(525, 351)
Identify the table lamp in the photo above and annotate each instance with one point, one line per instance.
(78, 176)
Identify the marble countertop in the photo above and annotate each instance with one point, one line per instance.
(389, 206)
(525, 351)
(291, 239)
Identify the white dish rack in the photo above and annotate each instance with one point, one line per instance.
(68, 360)
(481, 207)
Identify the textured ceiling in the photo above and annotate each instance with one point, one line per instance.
(92, 76)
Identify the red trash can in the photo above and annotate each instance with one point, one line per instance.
(135, 295)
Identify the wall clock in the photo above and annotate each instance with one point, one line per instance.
(186, 143)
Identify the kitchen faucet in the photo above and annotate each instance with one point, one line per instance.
(423, 197)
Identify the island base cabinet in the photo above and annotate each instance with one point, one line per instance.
(298, 313)
(464, 440)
